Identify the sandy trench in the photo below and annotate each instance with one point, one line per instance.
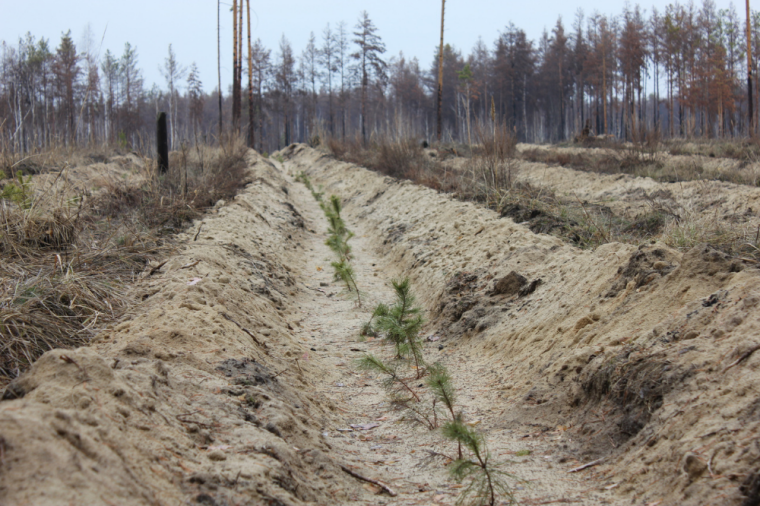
(229, 381)
(645, 354)
(397, 450)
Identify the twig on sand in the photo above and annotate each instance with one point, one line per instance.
(586, 466)
(743, 356)
(157, 268)
(70, 360)
(380, 484)
(536, 502)
(191, 264)
(263, 345)
(198, 232)
(273, 377)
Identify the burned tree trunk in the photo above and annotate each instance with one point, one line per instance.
(162, 144)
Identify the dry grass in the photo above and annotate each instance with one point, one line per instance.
(488, 176)
(668, 162)
(67, 258)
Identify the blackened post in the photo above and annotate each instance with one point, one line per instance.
(162, 144)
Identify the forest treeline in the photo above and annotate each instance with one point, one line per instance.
(676, 72)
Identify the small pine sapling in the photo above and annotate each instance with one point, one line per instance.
(303, 178)
(486, 481)
(402, 324)
(338, 242)
(393, 382)
(441, 385)
(344, 272)
(339, 236)
(399, 390)
(368, 329)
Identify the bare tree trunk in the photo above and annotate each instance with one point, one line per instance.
(240, 66)
(440, 76)
(235, 84)
(251, 122)
(604, 89)
(219, 65)
(751, 126)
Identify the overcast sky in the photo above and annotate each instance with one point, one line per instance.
(411, 26)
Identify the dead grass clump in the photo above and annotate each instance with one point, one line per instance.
(402, 159)
(405, 159)
(67, 258)
(63, 275)
(55, 232)
(746, 150)
(634, 160)
(691, 228)
(197, 179)
(492, 169)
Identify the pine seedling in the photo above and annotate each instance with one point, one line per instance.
(344, 272)
(403, 323)
(393, 382)
(335, 205)
(303, 178)
(368, 329)
(440, 384)
(339, 236)
(486, 481)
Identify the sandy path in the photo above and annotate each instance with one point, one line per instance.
(399, 452)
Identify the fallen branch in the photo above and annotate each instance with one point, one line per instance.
(157, 268)
(743, 356)
(586, 466)
(70, 360)
(263, 345)
(275, 376)
(380, 484)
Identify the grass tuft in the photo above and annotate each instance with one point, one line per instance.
(68, 254)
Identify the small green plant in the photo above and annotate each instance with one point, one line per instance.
(19, 192)
(337, 241)
(487, 482)
(394, 382)
(440, 383)
(402, 323)
(344, 272)
(303, 178)
(368, 329)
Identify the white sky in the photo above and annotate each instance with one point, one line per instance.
(409, 25)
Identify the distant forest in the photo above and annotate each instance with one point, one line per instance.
(680, 72)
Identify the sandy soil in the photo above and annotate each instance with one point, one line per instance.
(232, 380)
(398, 450)
(195, 396)
(645, 353)
(631, 196)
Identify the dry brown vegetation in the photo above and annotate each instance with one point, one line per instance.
(669, 162)
(487, 173)
(68, 254)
